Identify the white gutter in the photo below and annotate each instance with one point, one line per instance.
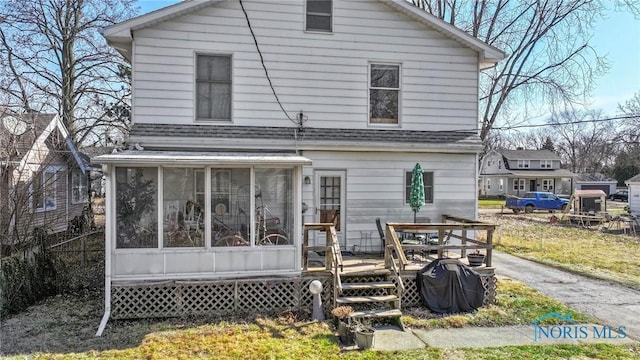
(107, 249)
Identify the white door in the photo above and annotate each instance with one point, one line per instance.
(330, 199)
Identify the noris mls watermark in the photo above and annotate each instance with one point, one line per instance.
(568, 330)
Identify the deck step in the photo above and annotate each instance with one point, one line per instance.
(366, 299)
(395, 314)
(376, 313)
(370, 285)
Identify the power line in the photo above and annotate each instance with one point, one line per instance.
(567, 123)
(246, 16)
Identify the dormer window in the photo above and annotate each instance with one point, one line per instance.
(546, 164)
(523, 164)
(319, 15)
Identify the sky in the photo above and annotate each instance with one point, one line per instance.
(617, 37)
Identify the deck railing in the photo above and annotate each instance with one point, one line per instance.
(451, 227)
(331, 249)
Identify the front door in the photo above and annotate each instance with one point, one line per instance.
(330, 197)
(532, 185)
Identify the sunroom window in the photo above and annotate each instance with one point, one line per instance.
(274, 206)
(136, 207)
(230, 207)
(183, 215)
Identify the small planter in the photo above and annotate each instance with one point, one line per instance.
(475, 259)
(365, 338)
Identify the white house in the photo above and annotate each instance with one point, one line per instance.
(634, 194)
(514, 172)
(254, 117)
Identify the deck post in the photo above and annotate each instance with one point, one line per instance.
(489, 247)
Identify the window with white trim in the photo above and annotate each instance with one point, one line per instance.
(518, 184)
(546, 164)
(523, 164)
(488, 184)
(547, 185)
(79, 187)
(319, 15)
(43, 190)
(501, 186)
(384, 93)
(213, 87)
(427, 179)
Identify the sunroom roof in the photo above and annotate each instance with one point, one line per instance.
(145, 157)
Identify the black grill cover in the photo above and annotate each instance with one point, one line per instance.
(448, 286)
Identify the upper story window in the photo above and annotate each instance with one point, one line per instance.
(427, 178)
(43, 190)
(546, 164)
(79, 187)
(213, 87)
(523, 164)
(384, 93)
(319, 15)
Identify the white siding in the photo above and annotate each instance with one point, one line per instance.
(325, 75)
(634, 198)
(375, 187)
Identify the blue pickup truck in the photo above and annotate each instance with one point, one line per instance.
(536, 200)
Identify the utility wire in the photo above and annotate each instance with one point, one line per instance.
(246, 16)
(566, 123)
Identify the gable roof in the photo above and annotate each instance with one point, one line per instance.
(635, 179)
(528, 155)
(120, 36)
(40, 127)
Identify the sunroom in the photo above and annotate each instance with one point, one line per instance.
(202, 215)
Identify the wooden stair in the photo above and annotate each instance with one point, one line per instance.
(392, 302)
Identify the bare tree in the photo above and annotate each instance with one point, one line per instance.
(54, 59)
(549, 58)
(584, 143)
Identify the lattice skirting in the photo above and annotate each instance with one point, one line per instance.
(179, 298)
(411, 297)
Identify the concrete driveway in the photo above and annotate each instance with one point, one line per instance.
(613, 304)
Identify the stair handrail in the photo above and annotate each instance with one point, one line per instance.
(393, 243)
(337, 282)
(396, 274)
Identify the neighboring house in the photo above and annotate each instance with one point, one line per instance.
(596, 181)
(514, 172)
(44, 176)
(370, 88)
(634, 194)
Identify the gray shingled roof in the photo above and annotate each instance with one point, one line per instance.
(594, 177)
(634, 179)
(15, 146)
(529, 155)
(288, 133)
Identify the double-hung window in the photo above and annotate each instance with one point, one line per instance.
(545, 164)
(518, 184)
(319, 15)
(427, 178)
(213, 87)
(79, 187)
(523, 164)
(547, 184)
(43, 190)
(384, 93)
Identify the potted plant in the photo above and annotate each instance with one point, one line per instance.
(476, 258)
(364, 336)
(343, 314)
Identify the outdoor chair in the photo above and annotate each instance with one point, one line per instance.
(381, 233)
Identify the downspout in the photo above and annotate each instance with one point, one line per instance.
(108, 229)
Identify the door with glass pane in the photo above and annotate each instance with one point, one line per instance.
(330, 199)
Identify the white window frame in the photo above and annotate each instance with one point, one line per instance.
(43, 185)
(518, 184)
(546, 164)
(547, 185)
(488, 184)
(398, 89)
(524, 164)
(319, 31)
(407, 182)
(83, 186)
(196, 81)
(501, 185)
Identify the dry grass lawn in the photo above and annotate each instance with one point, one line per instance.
(614, 257)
